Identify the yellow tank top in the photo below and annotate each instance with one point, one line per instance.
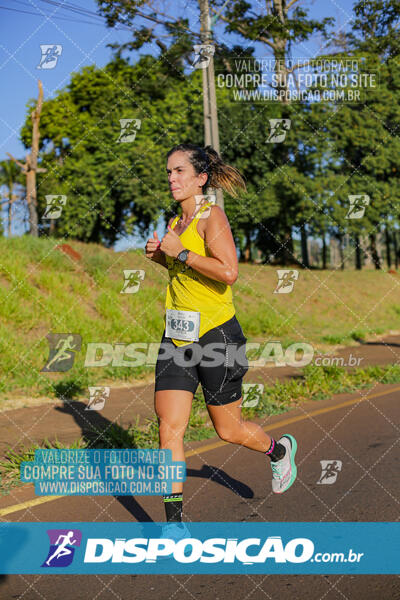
(190, 290)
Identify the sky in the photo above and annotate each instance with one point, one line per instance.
(83, 41)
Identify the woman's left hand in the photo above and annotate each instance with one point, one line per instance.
(171, 245)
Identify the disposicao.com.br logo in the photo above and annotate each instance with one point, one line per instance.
(248, 551)
(207, 548)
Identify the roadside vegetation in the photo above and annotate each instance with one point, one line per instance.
(43, 291)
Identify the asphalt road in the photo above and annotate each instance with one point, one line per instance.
(227, 482)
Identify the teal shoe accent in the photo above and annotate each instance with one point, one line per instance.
(284, 471)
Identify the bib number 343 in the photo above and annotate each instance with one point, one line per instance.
(182, 325)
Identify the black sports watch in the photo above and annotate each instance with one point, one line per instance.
(183, 254)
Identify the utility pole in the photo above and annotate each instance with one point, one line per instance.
(211, 133)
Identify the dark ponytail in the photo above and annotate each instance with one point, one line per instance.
(207, 160)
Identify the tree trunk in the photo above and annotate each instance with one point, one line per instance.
(324, 252)
(388, 252)
(358, 252)
(396, 249)
(9, 216)
(239, 245)
(304, 249)
(285, 252)
(31, 200)
(247, 249)
(374, 252)
(340, 239)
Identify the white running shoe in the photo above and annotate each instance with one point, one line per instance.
(175, 531)
(284, 471)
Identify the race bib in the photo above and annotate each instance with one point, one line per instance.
(182, 325)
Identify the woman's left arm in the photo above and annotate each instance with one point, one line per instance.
(222, 265)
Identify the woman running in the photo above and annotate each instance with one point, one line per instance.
(200, 255)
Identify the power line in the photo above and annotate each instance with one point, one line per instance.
(73, 8)
(38, 14)
(86, 12)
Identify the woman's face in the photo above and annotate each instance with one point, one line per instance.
(182, 179)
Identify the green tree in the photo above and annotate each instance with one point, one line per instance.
(364, 135)
(113, 188)
(272, 211)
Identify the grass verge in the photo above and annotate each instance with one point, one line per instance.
(43, 291)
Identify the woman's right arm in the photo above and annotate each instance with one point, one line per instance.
(159, 255)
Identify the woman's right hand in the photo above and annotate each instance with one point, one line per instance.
(152, 247)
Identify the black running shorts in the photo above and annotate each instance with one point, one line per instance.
(218, 361)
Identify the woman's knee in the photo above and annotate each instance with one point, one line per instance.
(230, 434)
(172, 425)
(171, 430)
(172, 408)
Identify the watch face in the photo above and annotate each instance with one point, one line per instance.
(182, 256)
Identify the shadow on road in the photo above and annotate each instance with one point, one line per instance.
(99, 432)
(219, 476)
(381, 343)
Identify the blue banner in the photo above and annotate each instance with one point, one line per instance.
(208, 548)
(83, 472)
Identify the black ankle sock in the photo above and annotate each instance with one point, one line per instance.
(173, 507)
(276, 451)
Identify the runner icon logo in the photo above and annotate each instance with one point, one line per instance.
(287, 278)
(50, 55)
(278, 130)
(330, 470)
(98, 397)
(62, 547)
(133, 277)
(203, 54)
(129, 129)
(55, 203)
(358, 203)
(62, 351)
